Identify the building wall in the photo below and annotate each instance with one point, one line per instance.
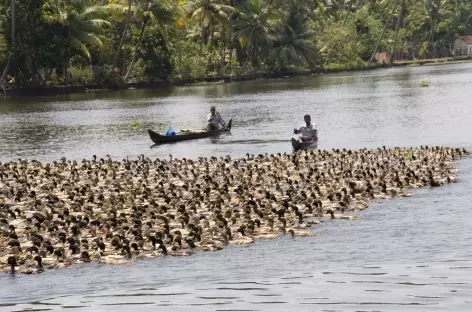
(462, 48)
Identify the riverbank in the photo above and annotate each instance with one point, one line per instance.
(55, 90)
(104, 210)
(436, 61)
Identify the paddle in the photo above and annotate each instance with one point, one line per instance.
(222, 119)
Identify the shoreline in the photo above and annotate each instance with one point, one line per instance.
(56, 90)
(56, 215)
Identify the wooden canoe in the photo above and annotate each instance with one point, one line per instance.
(188, 134)
(298, 145)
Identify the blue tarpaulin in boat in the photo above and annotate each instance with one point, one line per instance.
(170, 132)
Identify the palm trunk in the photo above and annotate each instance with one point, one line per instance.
(128, 17)
(65, 65)
(347, 14)
(202, 40)
(180, 58)
(12, 43)
(212, 33)
(383, 31)
(65, 69)
(202, 35)
(433, 39)
(230, 59)
(253, 57)
(223, 47)
(141, 35)
(397, 28)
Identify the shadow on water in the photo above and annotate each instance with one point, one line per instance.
(253, 141)
(224, 141)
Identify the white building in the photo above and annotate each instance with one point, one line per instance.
(463, 45)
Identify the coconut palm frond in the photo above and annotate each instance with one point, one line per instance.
(80, 47)
(88, 38)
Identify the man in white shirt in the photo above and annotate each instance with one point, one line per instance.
(308, 131)
(214, 120)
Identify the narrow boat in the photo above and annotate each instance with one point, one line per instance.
(298, 145)
(185, 135)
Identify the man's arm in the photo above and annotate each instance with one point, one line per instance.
(220, 120)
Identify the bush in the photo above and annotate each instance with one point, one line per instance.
(155, 57)
(80, 75)
(188, 62)
(107, 75)
(238, 70)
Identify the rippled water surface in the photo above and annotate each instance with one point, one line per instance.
(406, 254)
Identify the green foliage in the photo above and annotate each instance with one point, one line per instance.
(254, 29)
(337, 45)
(292, 44)
(155, 57)
(425, 83)
(35, 47)
(188, 62)
(135, 124)
(367, 29)
(71, 42)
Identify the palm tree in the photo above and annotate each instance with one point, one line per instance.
(82, 24)
(12, 42)
(254, 27)
(125, 30)
(426, 17)
(209, 12)
(403, 12)
(335, 8)
(164, 13)
(458, 18)
(432, 8)
(383, 30)
(349, 6)
(291, 43)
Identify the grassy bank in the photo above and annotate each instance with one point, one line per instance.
(435, 61)
(331, 68)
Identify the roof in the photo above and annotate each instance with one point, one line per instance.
(467, 39)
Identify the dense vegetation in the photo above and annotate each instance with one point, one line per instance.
(67, 42)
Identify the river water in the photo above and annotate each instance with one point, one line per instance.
(407, 254)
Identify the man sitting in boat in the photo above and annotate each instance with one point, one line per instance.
(308, 131)
(214, 120)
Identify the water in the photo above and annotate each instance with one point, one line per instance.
(351, 110)
(405, 254)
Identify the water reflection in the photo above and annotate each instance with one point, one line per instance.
(351, 110)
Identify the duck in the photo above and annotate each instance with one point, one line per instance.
(111, 211)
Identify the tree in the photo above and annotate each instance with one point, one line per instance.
(125, 30)
(254, 28)
(403, 11)
(292, 38)
(111, 41)
(209, 12)
(81, 25)
(12, 43)
(163, 13)
(156, 57)
(383, 31)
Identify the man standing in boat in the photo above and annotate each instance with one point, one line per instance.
(214, 120)
(308, 131)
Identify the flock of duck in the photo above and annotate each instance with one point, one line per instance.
(54, 215)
